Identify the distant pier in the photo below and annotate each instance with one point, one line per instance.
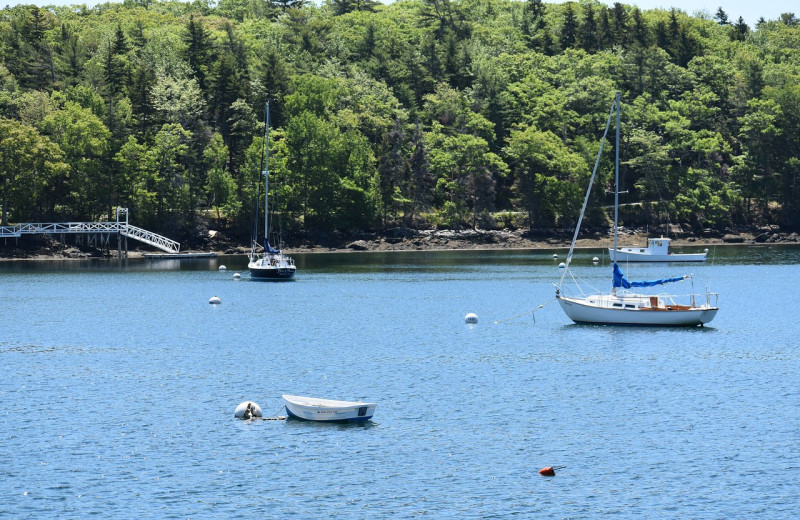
(98, 232)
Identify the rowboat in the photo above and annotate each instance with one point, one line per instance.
(327, 410)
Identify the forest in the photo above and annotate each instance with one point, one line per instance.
(421, 113)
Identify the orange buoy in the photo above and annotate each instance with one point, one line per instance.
(547, 472)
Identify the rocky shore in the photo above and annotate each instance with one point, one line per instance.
(404, 239)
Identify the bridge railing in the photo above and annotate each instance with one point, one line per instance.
(155, 240)
(123, 228)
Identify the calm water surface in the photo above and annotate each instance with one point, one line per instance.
(119, 384)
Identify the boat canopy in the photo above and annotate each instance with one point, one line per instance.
(269, 249)
(621, 281)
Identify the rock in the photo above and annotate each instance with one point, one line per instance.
(400, 232)
(358, 245)
(732, 239)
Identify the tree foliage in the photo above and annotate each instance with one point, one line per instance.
(421, 112)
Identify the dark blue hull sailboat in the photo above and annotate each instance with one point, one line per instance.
(272, 264)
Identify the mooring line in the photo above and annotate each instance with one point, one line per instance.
(526, 313)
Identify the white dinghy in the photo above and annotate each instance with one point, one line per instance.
(328, 410)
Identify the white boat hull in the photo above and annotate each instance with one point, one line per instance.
(631, 254)
(601, 310)
(327, 410)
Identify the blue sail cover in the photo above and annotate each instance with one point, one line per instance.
(269, 249)
(621, 281)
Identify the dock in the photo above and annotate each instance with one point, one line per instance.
(98, 232)
(157, 256)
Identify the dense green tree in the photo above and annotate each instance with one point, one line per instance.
(30, 164)
(549, 176)
(83, 137)
(220, 186)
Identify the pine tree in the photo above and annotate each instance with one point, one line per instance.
(740, 30)
(588, 30)
(198, 51)
(569, 29)
(721, 17)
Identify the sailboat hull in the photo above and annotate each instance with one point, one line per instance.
(272, 273)
(271, 268)
(607, 310)
(631, 254)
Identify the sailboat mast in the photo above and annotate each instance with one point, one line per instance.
(266, 176)
(616, 181)
(616, 189)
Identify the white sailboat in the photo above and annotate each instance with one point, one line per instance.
(622, 306)
(272, 264)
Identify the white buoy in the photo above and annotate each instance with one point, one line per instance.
(222, 268)
(706, 250)
(237, 276)
(215, 300)
(242, 410)
(555, 255)
(595, 259)
(562, 265)
(471, 318)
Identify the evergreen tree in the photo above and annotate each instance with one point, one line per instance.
(641, 33)
(569, 28)
(199, 51)
(588, 30)
(604, 32)
(721, 17)
(619, 24)
(740, 30)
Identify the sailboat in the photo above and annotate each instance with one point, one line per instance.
(272, 264)
(622, 306)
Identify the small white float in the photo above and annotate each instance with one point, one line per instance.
(237, 276)
(471, 318)
(562, 265)
(214, 300)
(223, 268)
(555, 255)
(247, 410)
(595, 259)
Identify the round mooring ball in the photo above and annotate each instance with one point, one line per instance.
(471, 318)
(241, 410)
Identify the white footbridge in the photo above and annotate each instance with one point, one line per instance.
(120, 228)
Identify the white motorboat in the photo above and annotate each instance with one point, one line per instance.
(272, 264)
(327, 410)
(657, 250)
(621, 306)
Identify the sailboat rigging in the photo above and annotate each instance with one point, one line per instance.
(621, 306)
(272, 264)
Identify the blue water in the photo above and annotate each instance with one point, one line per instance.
(119, 385)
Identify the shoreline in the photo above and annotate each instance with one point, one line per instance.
(401, 239)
